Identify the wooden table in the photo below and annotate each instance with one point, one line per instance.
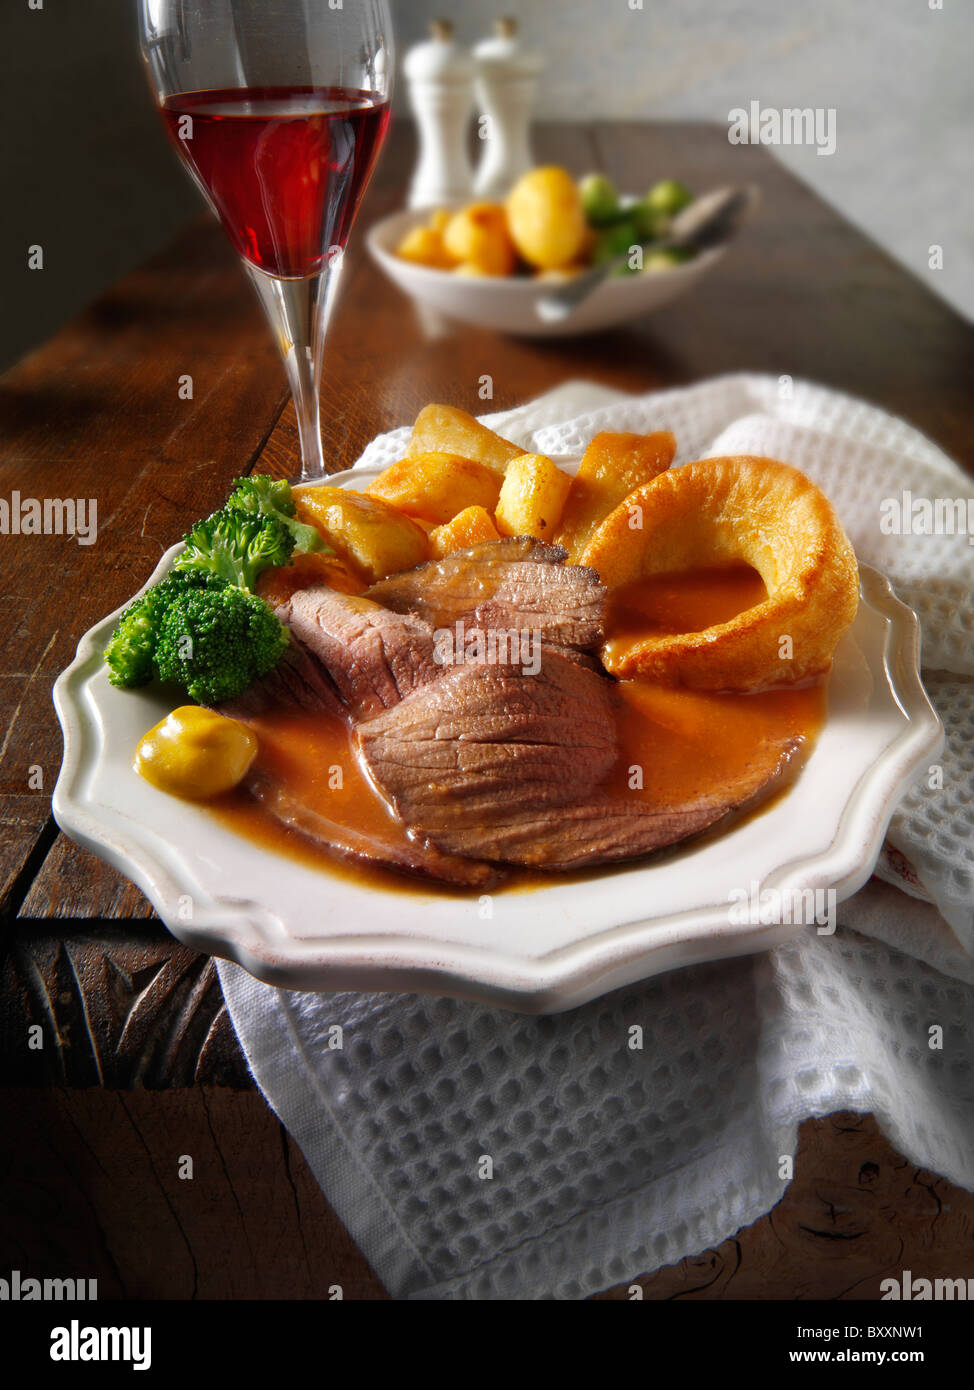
(140, 1062)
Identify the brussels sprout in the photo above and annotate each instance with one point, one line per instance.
(600, 199)
(616, 241)
(649, 223)
(668, 197)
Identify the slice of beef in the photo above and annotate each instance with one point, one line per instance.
(374, 656)
(603, 830)
(483, 735)
(490, 763)
(403, 856)
(516, 584)
(482, 762)
(298, 681)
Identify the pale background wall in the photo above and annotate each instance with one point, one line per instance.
(900, 75)
(86, 170)
(85, 167)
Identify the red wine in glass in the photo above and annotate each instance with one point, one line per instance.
(284, 167)
(278, 108)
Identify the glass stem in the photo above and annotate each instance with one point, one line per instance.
(298, 312)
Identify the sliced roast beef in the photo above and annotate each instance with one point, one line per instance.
(404, 856)
(483, 761)
(497, 765)
(483, 734)
(516, 584)
(377, 653)
(600, 830)
(298, 681)
(374, 656)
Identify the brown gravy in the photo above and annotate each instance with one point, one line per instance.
(311, 755)
(682, 742)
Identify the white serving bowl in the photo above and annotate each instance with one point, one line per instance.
(507, 304)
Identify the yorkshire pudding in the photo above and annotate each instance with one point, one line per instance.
(715, 512)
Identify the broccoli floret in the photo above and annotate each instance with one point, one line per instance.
(236, 547)
(262, 495)
(216, 641)
(203, 626)
(259, 492)
(130, 652)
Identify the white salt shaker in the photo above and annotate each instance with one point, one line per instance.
(440, 75)
(507, 82)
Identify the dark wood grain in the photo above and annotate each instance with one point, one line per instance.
(96, 413)
(72, 886)
(855, 1213)
(92, 1190)
(118, 1004)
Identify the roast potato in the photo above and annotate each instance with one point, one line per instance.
(613, 465)
(277, 585)
(424, 246)
(470, 527)
(532, 497)
(477, 235)
(442, 429)
(367, 532)
(435, 487)
(547, 218)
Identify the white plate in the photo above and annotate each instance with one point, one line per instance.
(542, 950)
(507, 304)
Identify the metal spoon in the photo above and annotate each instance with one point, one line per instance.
(708, 221)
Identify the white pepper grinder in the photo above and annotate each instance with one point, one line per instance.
(440, 75)
(507, 83)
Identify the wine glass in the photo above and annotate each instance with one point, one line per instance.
(278, 109)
